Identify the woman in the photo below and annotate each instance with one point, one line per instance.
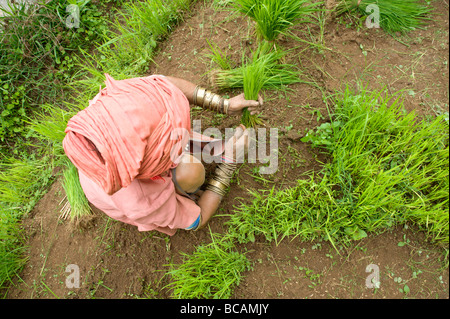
(123, 147)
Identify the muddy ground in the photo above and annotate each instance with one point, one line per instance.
(117, 261)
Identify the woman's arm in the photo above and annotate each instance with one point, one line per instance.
(185, 86)
(237, 103)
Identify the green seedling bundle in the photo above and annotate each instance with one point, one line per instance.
(77, 204)
(254, 76)
(262, 70)
(274, 17)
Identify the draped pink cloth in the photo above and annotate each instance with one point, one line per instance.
(146, 204)
(130, 123)
(123, 149)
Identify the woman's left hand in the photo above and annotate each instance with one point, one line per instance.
(238, 103)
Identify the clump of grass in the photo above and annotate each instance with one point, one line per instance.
(49, 125)
(21, 180)
(387, 168)
(212, 271)
(12, 251)
(274, 17)
(303, 210)
(37, 54)
(395, 15)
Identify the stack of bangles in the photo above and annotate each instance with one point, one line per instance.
(220, 182)
(211, 101)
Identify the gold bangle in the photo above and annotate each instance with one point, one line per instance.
(199, 96)
(207, 99)
(215, 103)
(226, 105)
(217, 187)
(214, 182)
(194, 96)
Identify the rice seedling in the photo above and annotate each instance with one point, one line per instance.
(211, 271)
(77, 204)
(50, 124)
(394, 15)
(21, 180)
(274, 17)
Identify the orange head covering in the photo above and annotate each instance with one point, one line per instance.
(126, 131)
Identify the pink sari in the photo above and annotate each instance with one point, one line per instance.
(123, 147)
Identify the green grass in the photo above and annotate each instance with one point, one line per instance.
(400, 16)
(389, 165)
(387, 168)
(219, 57)
(211, 271)
(130, 42)
(37, 60)
(274, 17)
(22, 183)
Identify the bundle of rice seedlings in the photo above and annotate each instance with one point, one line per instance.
(76, 204)
(277, 75)
(387, 168)
(394, 15)
(254, 76)
(274, 17)
(262, 70)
